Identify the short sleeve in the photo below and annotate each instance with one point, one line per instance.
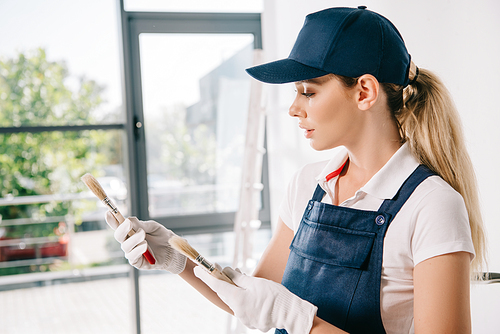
(286, 207)
(299, 191)
(441, 225)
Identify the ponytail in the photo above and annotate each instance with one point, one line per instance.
(430, 124)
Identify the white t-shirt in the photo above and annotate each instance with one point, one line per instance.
(432, 222)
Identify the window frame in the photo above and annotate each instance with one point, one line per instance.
(132, 25)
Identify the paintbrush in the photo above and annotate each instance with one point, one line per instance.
(183, 247)
(96, 188)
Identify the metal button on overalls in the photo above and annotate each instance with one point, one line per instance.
(335, 258)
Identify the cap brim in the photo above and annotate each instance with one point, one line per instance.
(284, 71)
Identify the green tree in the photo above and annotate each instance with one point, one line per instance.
(35, 91)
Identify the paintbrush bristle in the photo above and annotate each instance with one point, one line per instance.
(183, 247)
(94, 186)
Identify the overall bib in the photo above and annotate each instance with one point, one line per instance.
(335, 258)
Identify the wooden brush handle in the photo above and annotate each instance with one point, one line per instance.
(220, 275)
(119, 217)
(147, 254)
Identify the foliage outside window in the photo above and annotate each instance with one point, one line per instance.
(35, 91)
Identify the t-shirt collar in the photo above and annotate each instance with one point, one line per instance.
(386, 182)
(334, 166)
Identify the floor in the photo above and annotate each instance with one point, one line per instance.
(168, 305)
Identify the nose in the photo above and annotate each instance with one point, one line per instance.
(295, 110)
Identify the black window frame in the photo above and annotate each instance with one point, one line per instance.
(132, 25)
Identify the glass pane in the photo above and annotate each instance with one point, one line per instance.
(196, 96)
(44, 204)
(53, 235)
(219, 6)
(59, 63)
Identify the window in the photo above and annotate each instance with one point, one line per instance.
(61, 115)
(169, 149)
(189, 100)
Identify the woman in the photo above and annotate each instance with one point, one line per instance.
(380, 238)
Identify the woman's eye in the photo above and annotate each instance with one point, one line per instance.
(308, 94)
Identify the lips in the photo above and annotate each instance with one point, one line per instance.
(307, 132)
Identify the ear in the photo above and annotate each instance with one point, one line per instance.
(367, 91)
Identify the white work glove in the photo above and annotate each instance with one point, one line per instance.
(147, 233)
(260, 303)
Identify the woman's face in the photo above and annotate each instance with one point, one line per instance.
(327, 112)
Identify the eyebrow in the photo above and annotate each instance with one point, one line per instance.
(315, 81)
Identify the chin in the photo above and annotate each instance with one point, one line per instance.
(322, 147)
(317, 147)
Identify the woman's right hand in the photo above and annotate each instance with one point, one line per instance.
(147, 233)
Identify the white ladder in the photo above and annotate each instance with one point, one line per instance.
(247, 217)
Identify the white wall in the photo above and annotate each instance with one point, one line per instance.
(458, 40)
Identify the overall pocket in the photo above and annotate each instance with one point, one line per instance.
(325, 266)
(333, 245)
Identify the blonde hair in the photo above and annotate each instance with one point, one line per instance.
(429, 122)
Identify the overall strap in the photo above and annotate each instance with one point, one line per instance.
(392, 206)
(319, 193)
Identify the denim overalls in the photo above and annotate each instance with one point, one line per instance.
(335, 258)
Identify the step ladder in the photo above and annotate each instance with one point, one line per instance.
(247, 217)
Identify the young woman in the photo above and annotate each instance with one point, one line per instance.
(381, 238)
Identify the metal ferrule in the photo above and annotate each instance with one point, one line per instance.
(110, 204)
(201, 260)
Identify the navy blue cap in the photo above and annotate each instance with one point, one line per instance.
(344, 41)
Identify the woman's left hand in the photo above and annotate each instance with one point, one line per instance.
(260, 303)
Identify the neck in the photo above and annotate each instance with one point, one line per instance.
(363, 163)
(376, 143)
(366, 161)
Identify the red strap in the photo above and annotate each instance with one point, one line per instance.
(335, 172)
